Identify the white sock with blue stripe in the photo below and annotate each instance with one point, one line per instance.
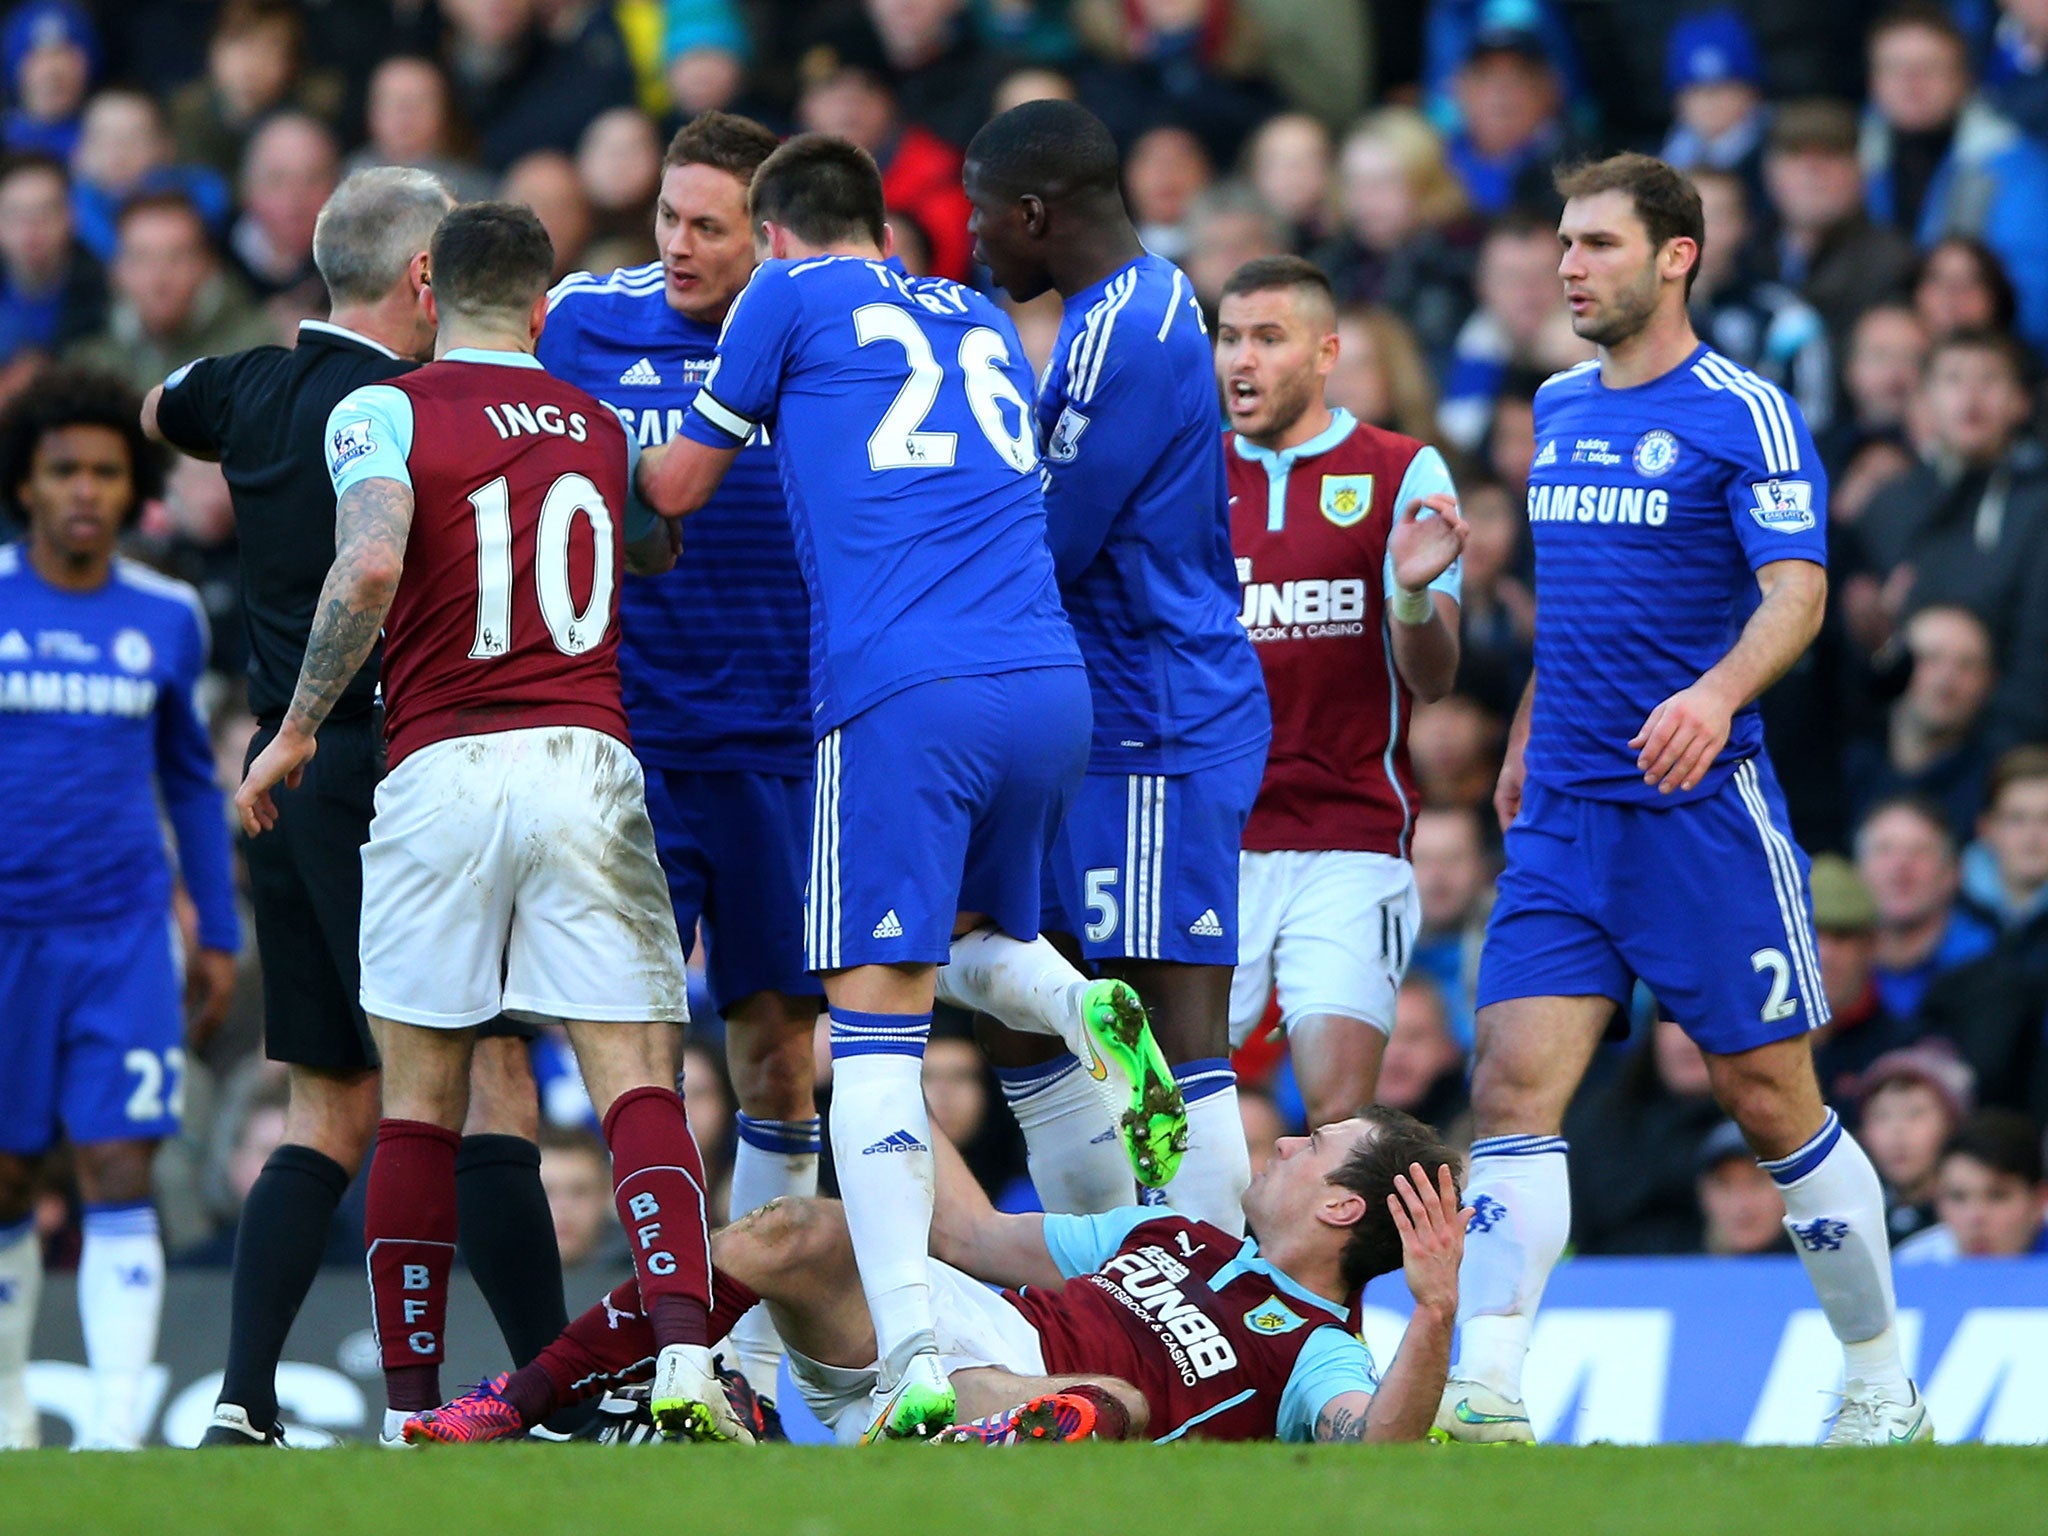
(1834, 1209)
(120, 1304)
(882, 1153)
(771, 1159)
(1076, 1160)
(1521, 1199)
(21, 1286)
(1218, 1167)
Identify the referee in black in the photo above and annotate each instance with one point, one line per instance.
(263, 415)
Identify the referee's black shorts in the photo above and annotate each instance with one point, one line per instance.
(306, 884)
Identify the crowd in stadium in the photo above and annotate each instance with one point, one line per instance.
(1875, 182)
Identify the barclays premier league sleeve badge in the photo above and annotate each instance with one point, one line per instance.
(351, 441)
(1783, 506)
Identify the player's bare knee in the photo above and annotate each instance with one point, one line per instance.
(116, 1172)
(333, 1113)
(772, 1067)
(502, 1097)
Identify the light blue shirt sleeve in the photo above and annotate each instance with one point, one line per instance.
(369, 437)
(640, 519)
(1080, 1245)
(1429, 475)
(1332, 1361)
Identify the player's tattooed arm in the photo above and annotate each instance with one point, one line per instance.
(1343, 1419)
(371, 523)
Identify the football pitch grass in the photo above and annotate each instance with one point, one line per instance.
(1189, 1490)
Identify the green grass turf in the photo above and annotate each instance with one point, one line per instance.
(1193, 1490)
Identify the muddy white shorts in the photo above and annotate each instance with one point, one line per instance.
(1331, 930)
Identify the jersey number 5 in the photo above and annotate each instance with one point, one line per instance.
(900, 441)
(573, 631)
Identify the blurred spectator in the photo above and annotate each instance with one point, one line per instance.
(1423, 1070)
(1969, 523)
(920, 171)
(1826, 248)
(1990, 1194)
(412, 120)
(2016, 73)
(1164, 172)
(1497, 615)
(531, 75)
(960, 1094)
(1934, 740)
(1961, 285)
(1453, 27)
(926, 53)
(255, 64)
(1510, 105)
(52, 292)
(704, 53)
(1942, 160)
(2005, 872)
(1454, 872)
(1264, 1125)
(1455, 745)
(1909, 1104)
(1228, 225)
(1027, 29)
(619, 164)
(190, 534)
(1318, 54)
(1860, 1028)
(1406, 231)
(1906, 853)
(1031, 83)
(1380, 376)
(1880, 378)
(1634, 1137)
(576, 1172)
(1510, 446)
(51, 52)
(1191, 62)
(1518, 292)
(1715, 75)
(173, 301)
(124, 151)
(292, 167)
(709, 1102)
(1741, 1211)
(546, 182)
(1762, 325)
(1289, 163)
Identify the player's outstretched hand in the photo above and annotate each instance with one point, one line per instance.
(1432, 1228)
(1422, 548)
(209, 988)
(1682, 737)
(282, 762)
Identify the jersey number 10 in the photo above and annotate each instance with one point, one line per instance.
(574, 631)
(900, 441)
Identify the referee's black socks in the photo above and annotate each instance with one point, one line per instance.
(279, 1243)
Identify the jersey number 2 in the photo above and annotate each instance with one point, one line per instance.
(900, 441)
(572, 631)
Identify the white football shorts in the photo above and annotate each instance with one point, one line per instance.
(515, 873)
(1332, 930)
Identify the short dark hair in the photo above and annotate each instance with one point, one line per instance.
(1264, 274)
(1926, 16)
(1665, 201)
(25, 161)
(821, 188)
(167, 201)
(69, 396)
(2017, 765)
(724, 141)
(1052, 149)
(2005, 301)
(2003, 1139)
(1814, 125)
(1924, 807)
(1397, 1139)
(2003, 345)
(490, 257)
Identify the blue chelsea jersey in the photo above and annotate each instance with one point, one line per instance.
(714, 655)
(899, 417)
(97, 727)
(1139, 520)
(1651, 508)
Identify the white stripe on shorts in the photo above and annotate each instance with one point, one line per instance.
(822, 910)
(1799, 946)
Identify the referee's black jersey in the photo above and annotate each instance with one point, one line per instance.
(263, 414)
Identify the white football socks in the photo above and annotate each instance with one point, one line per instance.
(771, 1159)
(1218, 1167)
(1521, 1198)
(120, 1303)
(1031, 987)
(1834, 1209)
(1076, 1159)
(21, 1286)
(882, 1153)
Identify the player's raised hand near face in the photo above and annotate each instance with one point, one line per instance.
(1683, 736)
(1432, 1228)
(282, 762)
(1422, 548)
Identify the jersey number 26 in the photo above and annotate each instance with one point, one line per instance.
(900, 441)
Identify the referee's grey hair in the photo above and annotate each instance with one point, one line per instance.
(373, 225)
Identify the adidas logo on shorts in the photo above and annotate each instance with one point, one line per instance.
(1207, 926)
(641, 372)
(895, 1141)
(889, 927)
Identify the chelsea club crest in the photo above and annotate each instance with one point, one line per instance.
(1346, 498)
(1656, 452)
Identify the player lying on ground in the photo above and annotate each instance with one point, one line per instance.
(1145, 1324)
